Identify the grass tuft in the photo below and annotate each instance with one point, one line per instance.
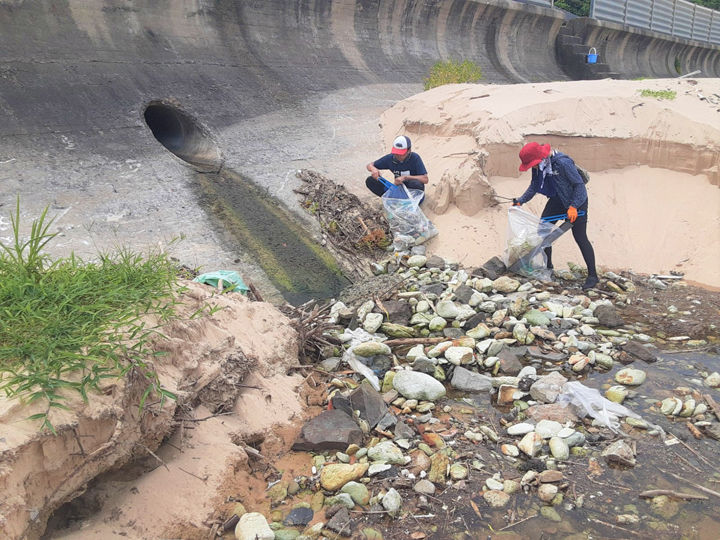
(65, 325)
(659, 94)
(450, 72)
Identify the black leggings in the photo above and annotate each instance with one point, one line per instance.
(555, 207)
(378, 188)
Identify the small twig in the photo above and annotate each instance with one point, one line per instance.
(203, 480)
(208, 417)
(615, 527)
(256, 292)
(82, 450)
(658, 492)
(609, 485)
(153, 454)
(713, 406)
(518, 522)
(696, 454)
(693, 484)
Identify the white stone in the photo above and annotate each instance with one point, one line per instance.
(459, 355)
(520, 429)
(447, 309)
(548, 428)
(531, 444)
(372, 322)
(253, 526)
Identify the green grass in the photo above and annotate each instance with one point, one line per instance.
(65, 325)
(450, 72)
(659, 94)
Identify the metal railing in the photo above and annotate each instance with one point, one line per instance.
(675, 17)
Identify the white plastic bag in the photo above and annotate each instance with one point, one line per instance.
(589, 402)
(527, 237)
(408, 223)
(355, 338)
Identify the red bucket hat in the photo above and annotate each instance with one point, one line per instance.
(533, 153)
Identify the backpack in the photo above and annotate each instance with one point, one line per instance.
(583, 174)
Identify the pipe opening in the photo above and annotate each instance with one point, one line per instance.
(182, 135)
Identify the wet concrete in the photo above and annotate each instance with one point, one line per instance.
(257, 226)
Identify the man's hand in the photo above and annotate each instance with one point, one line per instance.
(399, 180)
(373, 170)
(572, 214)
(516, 203)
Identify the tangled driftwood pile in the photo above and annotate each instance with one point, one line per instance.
(347, 223)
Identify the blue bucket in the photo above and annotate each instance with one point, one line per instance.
(592, 56)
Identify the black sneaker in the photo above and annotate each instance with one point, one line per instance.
(590, 283)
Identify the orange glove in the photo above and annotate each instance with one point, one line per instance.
(572, 214)
(516, 203)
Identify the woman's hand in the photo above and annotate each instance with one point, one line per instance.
(572, 214)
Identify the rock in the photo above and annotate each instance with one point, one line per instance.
(547, 388)
(435, 262)
(286, 534)
(469, 381)
(547, 492)
(536, 317)
(371, 348)
(463, 294)
(299, 516)
(386, 451)
(481, 331)
(671, 406)
(509, 363)
(496, 498)
(608, 316)
(531, 444)
(603, 360)
(494, 484)
(550, 476)
(398, 312)
(414, 385)
(493, 268)
(510, 450)
(548, 512)
(616, 393)
(419, 461)
(378, 468)
(576, 439)
(330, 430)
(520, 429)
(438, 469)
(424, 487)
(369, 402)
(620, 452)
(392, 502)
(458, 472)
(424, 365)
(253, 526)
(447, 309)
(630, 377)
(523, 335)
(664, 506)
(340, 522)
(397, 330)
(459, 355)
(713, 380)
(277, 493)
(372, 322)
(559, 412)
(559, 448)
(403, 431)
(437, 324)
(548, 428)
(336, 475)
(358, 493)
(639, 351)
(416, 261)
(506, 285)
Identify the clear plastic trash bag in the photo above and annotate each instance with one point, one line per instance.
(355, 337)
(589, 402)
(408, 223)
(527, 237)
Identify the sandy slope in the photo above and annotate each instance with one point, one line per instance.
(654, 197)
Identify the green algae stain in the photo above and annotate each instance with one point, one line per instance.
(259, 226)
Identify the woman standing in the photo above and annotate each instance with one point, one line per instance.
(554, 175)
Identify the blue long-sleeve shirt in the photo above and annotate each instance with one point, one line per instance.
(569, 185)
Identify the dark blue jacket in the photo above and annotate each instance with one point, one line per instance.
(568, 183)
(412, 165)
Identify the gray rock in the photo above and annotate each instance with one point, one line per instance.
(509, 363)
(620, 452)
(608, 316)
(547, 388)
(548, 428)
(496, 498)
(469, 381)
(403, 431)
(463, 294)
(535, 317)
(420, 386)
(358, 492)
(392, 502)
(387, 452)
(330, 430)
(639, 351)
(424, 365)
(424, 487)
(340, 522)
(435, 262)
(447, 309)
(398, 312)
(299, 516)
(369, 402)
(493, 268)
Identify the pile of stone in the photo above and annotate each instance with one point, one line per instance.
(391, 442)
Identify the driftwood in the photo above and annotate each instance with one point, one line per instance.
(695, 431)
(414, 341)
(311, 322)
(712, 405)
(674, 494)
